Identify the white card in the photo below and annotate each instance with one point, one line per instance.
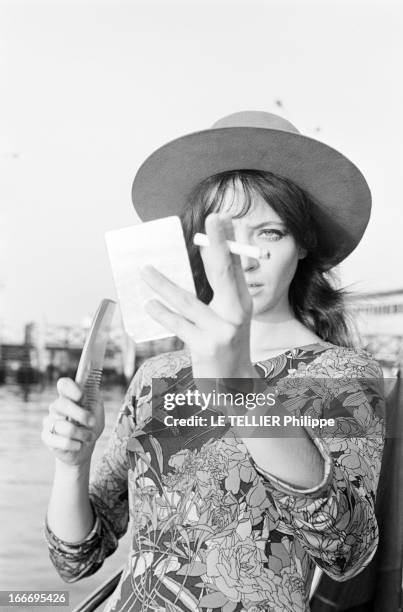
(159, 243)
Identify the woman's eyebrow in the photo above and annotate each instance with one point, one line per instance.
(265, 224)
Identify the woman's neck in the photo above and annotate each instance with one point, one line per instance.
(277, 332)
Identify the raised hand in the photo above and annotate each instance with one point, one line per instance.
(69, 430)
(217, 335)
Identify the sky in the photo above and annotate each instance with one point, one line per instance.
(89, 89)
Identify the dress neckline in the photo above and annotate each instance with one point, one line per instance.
(312, 345)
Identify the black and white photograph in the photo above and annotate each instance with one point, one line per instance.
(201, 305)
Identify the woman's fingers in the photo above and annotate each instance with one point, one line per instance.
(224, 272)
(68, 388)
(183, 301)
(56, 426)
(174, 322)
(66, 408)
(237, 264)
(54, 441)
(69, 430)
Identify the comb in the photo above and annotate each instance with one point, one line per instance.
(90, 367)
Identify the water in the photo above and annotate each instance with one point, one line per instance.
(26, 470)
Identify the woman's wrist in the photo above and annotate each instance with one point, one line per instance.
(70, 516)
(73, 472)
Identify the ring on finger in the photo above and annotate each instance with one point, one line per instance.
(53, 428)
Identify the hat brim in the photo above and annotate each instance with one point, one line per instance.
(340, 193)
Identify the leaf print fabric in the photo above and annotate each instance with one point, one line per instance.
(212, 530)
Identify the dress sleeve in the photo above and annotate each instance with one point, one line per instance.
(109, 501)
(335, 521)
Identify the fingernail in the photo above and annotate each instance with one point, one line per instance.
(91, 421)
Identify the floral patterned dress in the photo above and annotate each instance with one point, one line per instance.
(211, 530)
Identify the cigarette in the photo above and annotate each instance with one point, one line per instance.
(237, 248)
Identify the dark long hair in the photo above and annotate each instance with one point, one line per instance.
(315, 300)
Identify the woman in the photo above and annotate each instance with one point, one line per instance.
(234, 517)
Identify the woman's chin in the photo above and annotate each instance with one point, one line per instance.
(260, 306)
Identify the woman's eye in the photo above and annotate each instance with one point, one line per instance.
(271, 234)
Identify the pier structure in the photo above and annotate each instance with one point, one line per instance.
(49, 351)
(379, 320)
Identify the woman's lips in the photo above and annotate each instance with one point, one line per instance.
(254, 288)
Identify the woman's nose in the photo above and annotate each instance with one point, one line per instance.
(248, 263)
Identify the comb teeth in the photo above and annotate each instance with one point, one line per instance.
(91, 386)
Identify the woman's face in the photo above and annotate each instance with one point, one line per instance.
(268, 279)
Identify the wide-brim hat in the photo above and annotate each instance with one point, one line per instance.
(254, 140)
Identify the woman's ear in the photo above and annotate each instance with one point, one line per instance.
(302, 253)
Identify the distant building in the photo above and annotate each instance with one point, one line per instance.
(55, 350)
(380, 312)
(379, 319)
